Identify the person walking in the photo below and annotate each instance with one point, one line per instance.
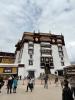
(14, 85)
(56, 81)
(72, 84)
(46, 81)
(30, 84)
(9, 85)
(62, 83)
(1, 83)
(66, 92)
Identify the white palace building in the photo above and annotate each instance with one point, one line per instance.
(41, 53)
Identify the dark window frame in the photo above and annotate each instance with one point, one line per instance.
(32, 51)
(30, 62)
(62, 63)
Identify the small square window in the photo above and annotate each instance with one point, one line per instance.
(51, 59)
(42, 59)
(60, 53)
(30, 51)
(30, 62)
(31, 56)
(62, 63)
(46, 59)
(61, 58)
(42, 64)
(51, 63)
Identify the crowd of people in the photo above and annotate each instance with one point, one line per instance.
(11, 84)
(68, 85)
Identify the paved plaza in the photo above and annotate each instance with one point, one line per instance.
(39, 93)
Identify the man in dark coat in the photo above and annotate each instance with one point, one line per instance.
(9, 85)
(66, 92)
(72, 84)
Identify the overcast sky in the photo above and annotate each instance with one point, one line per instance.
(17, 16)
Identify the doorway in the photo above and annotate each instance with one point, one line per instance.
(31, 74)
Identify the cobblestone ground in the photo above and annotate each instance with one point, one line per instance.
(39, 93)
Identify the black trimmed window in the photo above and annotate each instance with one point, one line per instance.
(31, 56)
(42, 59)
(51, 64)
(30, 62)
(51, 59)
(30, 51)
(59, 48)
(61, 58)
(62, 63)
(45, 45)
(47, 59)
(46, 51)
(61, 53)
(30, 44)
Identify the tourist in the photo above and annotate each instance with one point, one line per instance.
(62, 83)
(1, 83)
(30, 84)
(72, 84)
(66, 92)
(14, 85)
(46, 81)
(56, 81)
(9, 85)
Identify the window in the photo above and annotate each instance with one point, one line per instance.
(47, 59)
(62, 63)
(51, 59)
(59, 40)
(42, 59)
(30, 51)
(30, 62)
(45, 45)
(59, 48)
(30, 44)
(60, 53)
(46, 51)
(53, 40)
(31, 56)
(51, 63)
(61, 58)
(42, 64)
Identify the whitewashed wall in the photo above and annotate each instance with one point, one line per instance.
(56, 58)
(66, 59)
(36, 60)
(17, 57)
